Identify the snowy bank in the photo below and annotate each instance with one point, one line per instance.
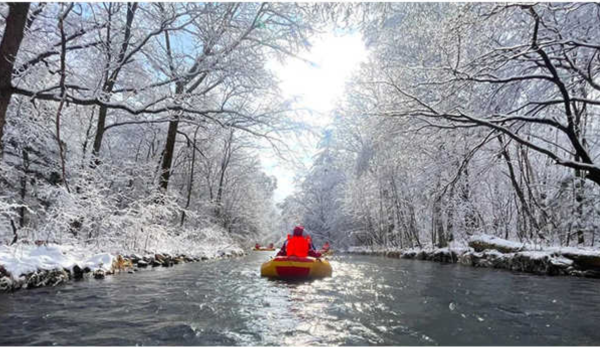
(28, 266)
(22, 259)
(493, 252)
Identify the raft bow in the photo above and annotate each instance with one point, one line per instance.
(292, 267)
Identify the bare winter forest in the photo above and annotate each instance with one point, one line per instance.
(140, 126)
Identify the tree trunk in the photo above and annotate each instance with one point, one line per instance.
(15, 234)
(470, 217)
(24, 187)
(399, 219)
(580, 179)
(9, 47)
(99, 135)
(579, 205)
(224, 165)
(167, 159)
(450, 217)
(438, 225)
(191, 182)
(516, 186)
(111, 79)
(168, 155)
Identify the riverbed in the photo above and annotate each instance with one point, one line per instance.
(368, 301)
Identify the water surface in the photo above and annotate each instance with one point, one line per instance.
(368, 301)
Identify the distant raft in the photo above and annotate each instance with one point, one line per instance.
(293, 267)
(263, 249)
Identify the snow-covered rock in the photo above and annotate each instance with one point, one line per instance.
(21, 259)
(444, 255)
(561, 262)
(29, 265)
(482, 242)
(142, 263)
(585, 258)
(98, 274)
(102, 261)
(492, 252)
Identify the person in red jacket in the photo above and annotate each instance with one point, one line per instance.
(299, 245)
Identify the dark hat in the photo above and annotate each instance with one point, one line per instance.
(298, 230)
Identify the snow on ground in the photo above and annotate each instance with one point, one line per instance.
(574, 251)
(359, 249)
(561, 261)
(494, 253)
(526, 249)
(21, 259)
(536, 254)
(493, 240)
(24, 258)
(535, 251)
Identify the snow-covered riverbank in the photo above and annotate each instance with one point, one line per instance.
(30, 266)
(492, 252)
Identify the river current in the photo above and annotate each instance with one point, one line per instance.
(368, 301)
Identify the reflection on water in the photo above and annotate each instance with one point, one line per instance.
(368, 301)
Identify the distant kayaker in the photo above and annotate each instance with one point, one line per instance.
(299, 245)
(271, 246)
(326, 246)
(257, 246)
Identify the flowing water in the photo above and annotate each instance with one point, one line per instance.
(368, 301)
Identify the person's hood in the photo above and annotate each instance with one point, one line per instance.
(298, 230)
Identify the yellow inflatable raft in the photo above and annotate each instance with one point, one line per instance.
(263, 249)
(293, 267)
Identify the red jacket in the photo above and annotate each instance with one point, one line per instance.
(300, 246)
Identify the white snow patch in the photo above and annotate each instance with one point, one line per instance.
(358, 249)
(494, 253)
(102, 261)
(573, 251)
(21, 259)
(561, 261)
(536, 254)
(489, 239)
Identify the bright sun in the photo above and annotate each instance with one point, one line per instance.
(319, 85)
(316, 87)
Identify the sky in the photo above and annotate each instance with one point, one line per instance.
(317, 87)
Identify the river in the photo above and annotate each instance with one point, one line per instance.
(368, 301)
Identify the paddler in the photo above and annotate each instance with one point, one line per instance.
(300, 245)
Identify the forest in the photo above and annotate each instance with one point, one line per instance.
(139, 126)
